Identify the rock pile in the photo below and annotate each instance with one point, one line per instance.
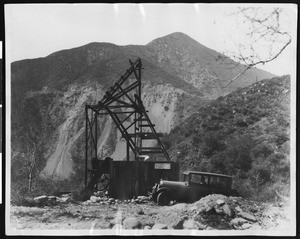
(51, 200)
(221, 212)
(104, 200)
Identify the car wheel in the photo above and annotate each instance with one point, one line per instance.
(163, 199)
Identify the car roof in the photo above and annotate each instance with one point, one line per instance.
(206, 174)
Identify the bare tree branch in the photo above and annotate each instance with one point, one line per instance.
(264, 31)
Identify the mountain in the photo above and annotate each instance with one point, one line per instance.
(49, 94)
(244, 134)
(204, 68)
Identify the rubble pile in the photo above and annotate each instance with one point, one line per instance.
(51, 200)
(103, 200)
(213, 212)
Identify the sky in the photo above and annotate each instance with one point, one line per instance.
(37, 30)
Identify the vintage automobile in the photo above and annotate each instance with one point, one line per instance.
(195, 186)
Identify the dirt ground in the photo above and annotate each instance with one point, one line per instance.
(214, 212)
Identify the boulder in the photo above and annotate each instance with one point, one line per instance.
(209, 208)
(143, 198)
(246, 226)
(238, 221)
(52, 198)
(228, 210)
(41, 199)
(190, 224)
(220, 202)
(64, 200)
(159, 226)
(238, 209)
(247, 216)
(132, 223)
(95, 199)
(218, 209)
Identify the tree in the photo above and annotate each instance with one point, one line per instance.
(24, 164)
(263, 36)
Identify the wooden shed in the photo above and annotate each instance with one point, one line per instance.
(129, 179)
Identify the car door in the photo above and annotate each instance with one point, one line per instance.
(196, 190)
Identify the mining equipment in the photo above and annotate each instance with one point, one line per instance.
(135, 175)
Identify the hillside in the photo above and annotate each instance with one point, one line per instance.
(49, 95)
(204, 68)
(244, 134)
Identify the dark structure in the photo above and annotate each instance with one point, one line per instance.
(122, 102)
(194, 186)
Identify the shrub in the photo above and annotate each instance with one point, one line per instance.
(212, 143)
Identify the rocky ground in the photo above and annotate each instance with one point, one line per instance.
(213, 212)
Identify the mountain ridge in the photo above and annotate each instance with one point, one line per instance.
(54, 89)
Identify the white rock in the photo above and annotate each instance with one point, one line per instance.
(64, 200)
(132, 223)
(247, 216)
(238, 209)
(220, 202)
(159, 226)
(190, 224)
(41, 198)
(52, 197)
(238, 221)
(93, 198)
(246, 226)
(143, 198)
(228, 210)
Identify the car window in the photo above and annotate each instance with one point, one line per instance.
(196, 178)
(218, 181)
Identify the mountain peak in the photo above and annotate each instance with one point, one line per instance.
(177, 36)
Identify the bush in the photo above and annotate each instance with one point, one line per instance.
(245, 189)
(212, 143)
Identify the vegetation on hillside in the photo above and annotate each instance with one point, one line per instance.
(244, 134)
(43, 100)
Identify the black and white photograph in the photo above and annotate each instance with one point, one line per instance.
(1, 75)
(1, 116)
(150, 119)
